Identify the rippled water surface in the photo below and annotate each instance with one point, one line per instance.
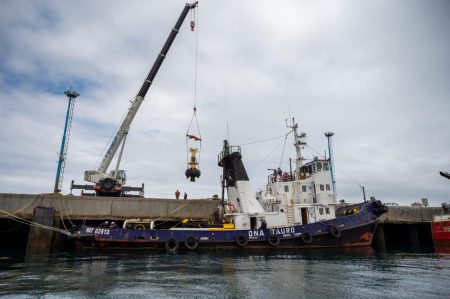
(314, 274)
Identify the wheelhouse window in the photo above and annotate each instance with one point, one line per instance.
(321, 211)
(327, 187)
(286, 188)
(303, 188)
(322, 187)
(327, 210)
(325, 166)
(319, 166)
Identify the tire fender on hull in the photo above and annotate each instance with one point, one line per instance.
(306, 238)
(241, 240)
(335, 231)
(172, 244)
(191, 242)
(274, 240)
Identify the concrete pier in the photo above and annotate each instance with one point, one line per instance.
(40, 239)
(98, 208)
(405, 227)
(409, 214)
(402, 226)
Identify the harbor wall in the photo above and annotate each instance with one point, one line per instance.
(98, 208)
(405, 227)
(402, 227)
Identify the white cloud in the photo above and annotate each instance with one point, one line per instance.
(376, 73)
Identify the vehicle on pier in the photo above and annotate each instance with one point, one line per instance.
(244, 223)
(112, 184)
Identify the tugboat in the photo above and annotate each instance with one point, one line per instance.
(440, 230)
(440, 227)
(307, 194)
(246, 221)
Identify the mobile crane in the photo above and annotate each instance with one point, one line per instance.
(112, 184)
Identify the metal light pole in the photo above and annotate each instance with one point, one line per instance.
(71, 95)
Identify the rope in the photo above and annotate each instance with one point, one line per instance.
(61, 212)
(262, 140)
(264, 158)
(194, 115)
(282, 154)
(340, 171)
(34, 224)
(191, 202)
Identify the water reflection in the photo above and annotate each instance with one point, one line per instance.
(328, 273)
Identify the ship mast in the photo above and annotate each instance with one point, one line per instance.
(299, 144)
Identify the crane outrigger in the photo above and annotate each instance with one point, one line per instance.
(112, 183)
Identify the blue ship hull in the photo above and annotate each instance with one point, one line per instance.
(355, 230)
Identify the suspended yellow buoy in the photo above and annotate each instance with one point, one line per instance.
(193, 172)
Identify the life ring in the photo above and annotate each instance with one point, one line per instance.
(241, 240)
(232, 208)
(274, 240)
(306, 238)
(191, 242)
(335, 231)
(139, 226)
(172, 244)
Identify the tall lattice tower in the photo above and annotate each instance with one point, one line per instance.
(71, 95)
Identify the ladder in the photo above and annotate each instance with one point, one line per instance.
(297, 198)
(290, 214)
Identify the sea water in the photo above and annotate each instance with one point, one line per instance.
(355, 273)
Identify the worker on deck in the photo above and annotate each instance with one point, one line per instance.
(104, 224)
(113, 225)
(185, 196)
(177, 194)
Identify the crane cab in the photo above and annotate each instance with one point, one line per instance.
(120, 176)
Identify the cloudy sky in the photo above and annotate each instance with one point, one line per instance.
(376, 73)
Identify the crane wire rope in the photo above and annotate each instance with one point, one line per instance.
(194, 18)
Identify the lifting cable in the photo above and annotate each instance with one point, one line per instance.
(190, 135)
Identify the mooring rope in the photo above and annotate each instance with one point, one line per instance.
(34, 224)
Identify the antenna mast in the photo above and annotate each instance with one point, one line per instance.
(329, 136)
(299, 144)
